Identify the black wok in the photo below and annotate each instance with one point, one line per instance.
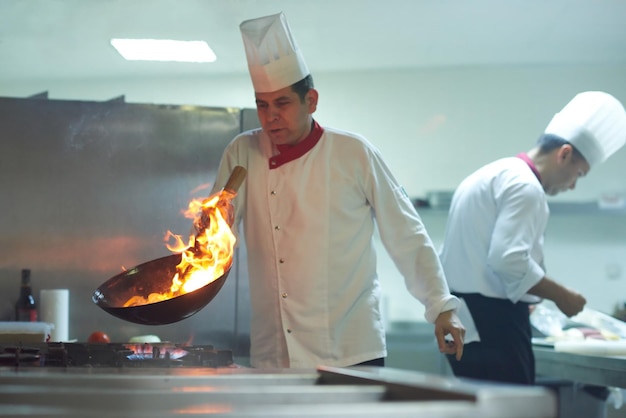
(153, 277)
(156, 277)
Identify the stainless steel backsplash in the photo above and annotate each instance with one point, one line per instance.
(90, 188)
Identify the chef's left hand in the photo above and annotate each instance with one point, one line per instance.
(448, 323)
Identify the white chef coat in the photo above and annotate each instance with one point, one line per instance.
(493, 244)
(308, 225)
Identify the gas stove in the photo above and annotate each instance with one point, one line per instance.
(118, 355)
(158, 392)
(165, 380)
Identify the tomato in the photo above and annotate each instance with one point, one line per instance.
(98, 337)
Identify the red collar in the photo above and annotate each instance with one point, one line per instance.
(530, 163)
(289, 153)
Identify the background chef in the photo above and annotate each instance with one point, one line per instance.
(492, 251)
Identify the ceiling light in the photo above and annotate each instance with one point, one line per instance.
(163, 50)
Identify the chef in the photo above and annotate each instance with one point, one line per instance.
(309, 206)
(492, 251)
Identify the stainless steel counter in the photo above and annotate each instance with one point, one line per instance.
(593, 370)
(243, 392)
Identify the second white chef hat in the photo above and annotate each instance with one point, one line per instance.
(594, 122)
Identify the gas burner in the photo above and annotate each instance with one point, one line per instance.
(17, 355)
(156, 355)
(208, 357)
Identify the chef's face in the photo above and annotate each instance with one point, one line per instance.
(284, 116)
(568, 168)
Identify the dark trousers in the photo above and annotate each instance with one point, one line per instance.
(380, 362)
(504, 353)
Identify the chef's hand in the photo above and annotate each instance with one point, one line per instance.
(448, 323)
(567, 300)
(570, 302)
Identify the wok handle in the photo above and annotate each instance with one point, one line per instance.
(232, 185)
(236, 178)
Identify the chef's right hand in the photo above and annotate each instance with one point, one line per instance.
(448, 323)
(571, 302)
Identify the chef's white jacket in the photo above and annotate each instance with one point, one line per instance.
(308, 225)
(493, 244)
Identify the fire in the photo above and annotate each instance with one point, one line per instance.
(208, 253)
(150, 351)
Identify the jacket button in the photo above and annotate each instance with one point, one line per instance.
(273, 193)
(284, 295)
(281, 261)
(288, 331)
(277, 227)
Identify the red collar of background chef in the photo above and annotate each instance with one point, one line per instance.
(530, 163)
(293, 152)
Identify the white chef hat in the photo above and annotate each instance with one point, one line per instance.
(594, 122)
(274, 59)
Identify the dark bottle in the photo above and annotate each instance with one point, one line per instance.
(26, 308)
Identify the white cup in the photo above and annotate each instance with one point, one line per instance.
(54, 308)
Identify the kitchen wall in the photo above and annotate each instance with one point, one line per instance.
(434, 126)
(89, 189)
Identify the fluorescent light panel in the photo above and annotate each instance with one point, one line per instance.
(164, 50)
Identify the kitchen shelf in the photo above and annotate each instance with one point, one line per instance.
(568, 222)
(584, 208)
(590, 208)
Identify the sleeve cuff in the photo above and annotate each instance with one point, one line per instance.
(531, 278)
(448, 304)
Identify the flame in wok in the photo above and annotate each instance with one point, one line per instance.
(208, 253)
